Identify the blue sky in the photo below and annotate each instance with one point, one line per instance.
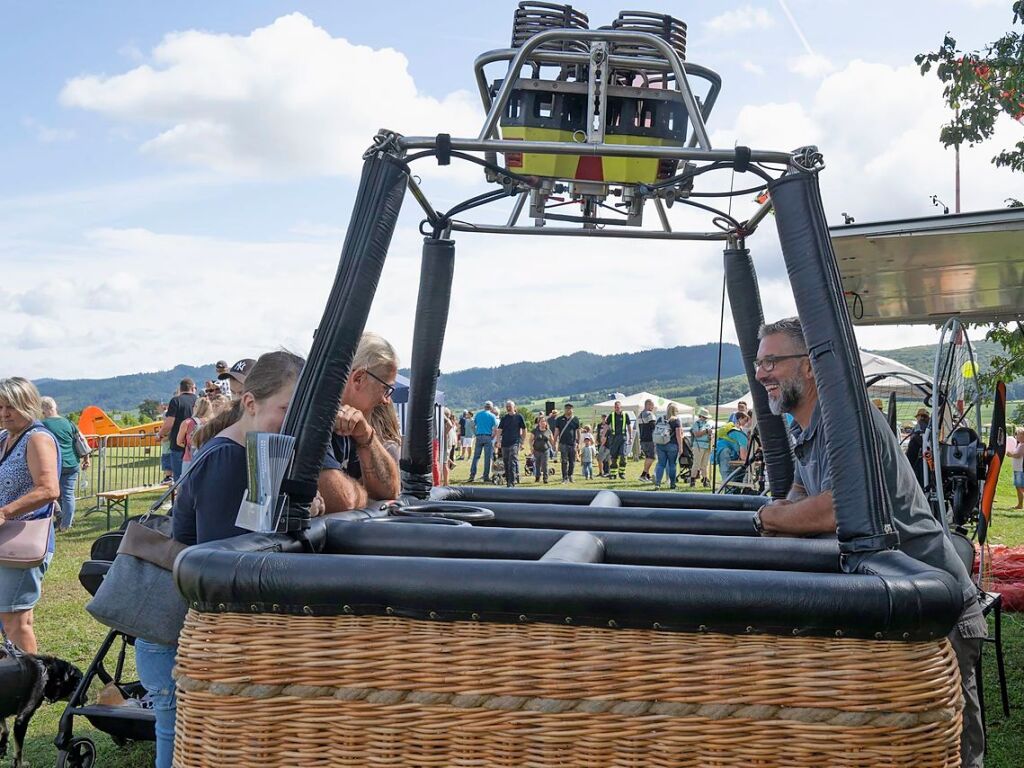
(177, 177)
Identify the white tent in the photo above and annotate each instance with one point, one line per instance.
(885, 375)
(635, 403)
(891, 377)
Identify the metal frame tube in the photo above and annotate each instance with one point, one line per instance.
(636, 234)
(597, 150)
(622, 62)
(611, 36)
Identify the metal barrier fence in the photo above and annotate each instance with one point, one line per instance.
(118, 462)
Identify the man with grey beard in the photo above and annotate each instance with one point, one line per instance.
(784, 369)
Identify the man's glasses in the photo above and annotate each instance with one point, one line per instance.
(767, 364)
(389, 389)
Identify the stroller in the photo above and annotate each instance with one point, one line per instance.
(129, 721)
(685, 461)
(498, 468)
(530, 466)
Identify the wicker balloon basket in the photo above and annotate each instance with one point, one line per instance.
(293, 691)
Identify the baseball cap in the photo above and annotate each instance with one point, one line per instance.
(222, 364)
(488, 404)
(239, 370)
(922, 412)
(568, 405)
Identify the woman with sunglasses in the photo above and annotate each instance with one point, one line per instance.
(358, 467)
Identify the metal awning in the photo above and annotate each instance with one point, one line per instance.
(925, 270)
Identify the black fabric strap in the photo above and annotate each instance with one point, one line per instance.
(444, 149)
(299, 490)
(742, 162)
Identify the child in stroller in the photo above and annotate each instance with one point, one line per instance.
(530, 468)
(498, 467)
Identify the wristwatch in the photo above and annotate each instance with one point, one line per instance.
(758, 525)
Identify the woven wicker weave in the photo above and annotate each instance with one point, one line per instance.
(272, 690)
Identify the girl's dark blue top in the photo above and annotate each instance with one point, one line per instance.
(207, 501)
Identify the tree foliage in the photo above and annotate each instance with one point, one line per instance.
(981, 85)
(1008, 365)
(150, 409)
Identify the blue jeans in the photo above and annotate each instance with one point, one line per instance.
(667, 455)
(68, 478)
(484, 444)
(724, 470)
(176, 458)
(155, 664)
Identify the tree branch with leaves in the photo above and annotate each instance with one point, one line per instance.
(979, 86)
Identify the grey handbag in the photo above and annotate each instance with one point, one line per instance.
(138, 595)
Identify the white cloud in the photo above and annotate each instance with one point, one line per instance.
(45, 134)
(810, 65)
(740, 19)
(753, 68)
(286, 99)
(248, 104)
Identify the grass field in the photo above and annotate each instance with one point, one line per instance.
(64, 628)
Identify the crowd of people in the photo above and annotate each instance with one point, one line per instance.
(41, 453)
(493, 442)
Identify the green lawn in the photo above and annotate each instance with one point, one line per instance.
(65, 629)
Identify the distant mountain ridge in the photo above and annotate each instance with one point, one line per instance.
(583, 373)
(122, 393)
(676, 372)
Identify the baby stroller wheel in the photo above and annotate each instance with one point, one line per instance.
(81, 753)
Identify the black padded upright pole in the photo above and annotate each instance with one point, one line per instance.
(437, 268)
(745, 301)
(317, 396)
(862, 507)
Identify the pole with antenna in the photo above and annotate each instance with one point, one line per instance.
(956, 156)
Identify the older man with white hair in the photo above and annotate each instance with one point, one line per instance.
(70, 461)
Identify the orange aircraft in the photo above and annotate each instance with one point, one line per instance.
(94, 422)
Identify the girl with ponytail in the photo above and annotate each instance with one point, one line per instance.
(207, 505)
(207, 501)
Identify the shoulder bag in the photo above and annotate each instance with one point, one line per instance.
(23, 543)
(138, 595)
(79, 444)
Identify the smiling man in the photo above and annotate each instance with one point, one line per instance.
(784, 369)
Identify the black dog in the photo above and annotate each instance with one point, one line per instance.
(25, 680)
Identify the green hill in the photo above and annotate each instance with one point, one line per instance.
(590, 376)
(121, 393)
(679, 372)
